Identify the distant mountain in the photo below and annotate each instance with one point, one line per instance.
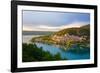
(37, 32)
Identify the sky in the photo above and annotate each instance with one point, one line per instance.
(53, 21)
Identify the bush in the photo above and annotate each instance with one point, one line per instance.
(30, 53)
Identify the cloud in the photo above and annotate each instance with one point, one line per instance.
(53, 28)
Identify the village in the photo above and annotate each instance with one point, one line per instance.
(63, 39)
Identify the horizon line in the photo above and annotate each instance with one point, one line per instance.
(57, 30)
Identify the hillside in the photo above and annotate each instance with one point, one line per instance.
(67, 37)
(84, 30)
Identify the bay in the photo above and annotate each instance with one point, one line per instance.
(53, 49)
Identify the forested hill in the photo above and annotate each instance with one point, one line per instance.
(84, 30)
(67, 36)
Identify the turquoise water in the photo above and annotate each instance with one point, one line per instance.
(65, 54)
(84, 53)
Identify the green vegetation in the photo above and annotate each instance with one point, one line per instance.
(68, 43)
(67, 37)
(71, 31)
(76, 40)
(84, 30)
(30, 53)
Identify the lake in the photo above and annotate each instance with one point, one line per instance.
(54, 49)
